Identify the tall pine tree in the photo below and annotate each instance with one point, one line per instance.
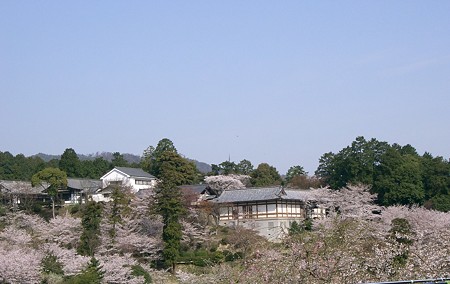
(173, 171)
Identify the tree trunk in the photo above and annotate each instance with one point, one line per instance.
(173, 267)
(53, 206)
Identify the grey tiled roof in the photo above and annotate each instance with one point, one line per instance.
(25, 187)
(261, 194)
(135, 172)
(83, 184)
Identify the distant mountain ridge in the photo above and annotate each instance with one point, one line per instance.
(130, 158)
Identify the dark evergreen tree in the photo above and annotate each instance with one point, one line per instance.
(51, 265)
(70, 163)
(398, 179)
(265, 175)
(293, 172)
(228, 167)
(118, 160)
(90, 240)
(173, 171)
(93, 274)
(244, 167)
(119, 206)
(151, 158)
(353, 164)
(436, 175)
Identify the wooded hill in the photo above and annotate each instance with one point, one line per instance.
(397, 174)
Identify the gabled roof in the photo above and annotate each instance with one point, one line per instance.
(131, 172)
(261, 194)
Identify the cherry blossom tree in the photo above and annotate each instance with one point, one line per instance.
(223, 182)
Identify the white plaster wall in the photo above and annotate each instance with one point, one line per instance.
(274, 229)
(115, 176)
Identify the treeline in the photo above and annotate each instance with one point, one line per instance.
(397, 174)
(23, 168)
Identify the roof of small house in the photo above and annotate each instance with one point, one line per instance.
(135, 172)
(197, 188)
(262, 194)
(16, 187)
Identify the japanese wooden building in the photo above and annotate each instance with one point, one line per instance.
(270, 211)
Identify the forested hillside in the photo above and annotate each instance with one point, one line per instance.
(397, 174)
(93, 166)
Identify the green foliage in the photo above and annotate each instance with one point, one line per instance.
(398, 179)
(202, 257)
(175, 169)
(138, 270)
(164, 161)
(19, 167)
(150, 161)
(401, 233)
(90, 222)
(70, 163)
(265, 175)
(294, 171)
(441, 203)
(244, 167)
(353, 164)
(54, 178)
(118, 160)
(3, 210)
(436, 177)
(94, 168)
(228, 167)
(297, 228)
(308, 224)
(172, 235)
(93, 274)
(50, 264)
(119, 208)
(74, 209)
(396, 173)
(232, 256)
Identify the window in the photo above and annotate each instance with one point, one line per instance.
(143, 182)
(248, 211)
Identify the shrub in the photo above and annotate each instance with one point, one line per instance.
(140, 271)
(51, 265)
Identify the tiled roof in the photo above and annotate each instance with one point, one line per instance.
(83, 184)
(261, 194)
(135, 172)
(9, 186)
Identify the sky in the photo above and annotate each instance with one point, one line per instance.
(279, 82)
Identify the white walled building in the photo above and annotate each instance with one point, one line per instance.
(269, 211)
(133, 178)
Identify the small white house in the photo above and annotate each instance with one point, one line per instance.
(133, 178)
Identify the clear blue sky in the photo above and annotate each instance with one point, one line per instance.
(280, 82)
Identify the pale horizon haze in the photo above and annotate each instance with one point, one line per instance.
(280, 82)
